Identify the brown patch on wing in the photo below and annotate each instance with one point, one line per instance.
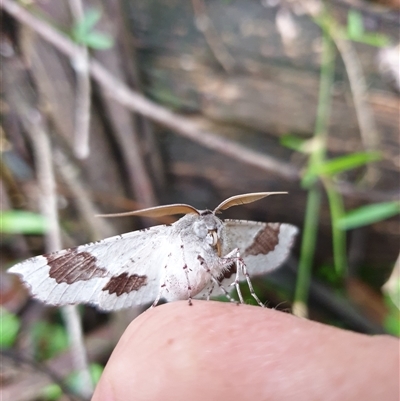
(125, 284)
(73, 266)
(228, 273)
(265, 241)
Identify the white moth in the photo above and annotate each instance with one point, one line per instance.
(197, 256)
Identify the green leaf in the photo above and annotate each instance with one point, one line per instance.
(96, 370)
(374, 39)
(9, 327)
(22, 222)
(391, 289)
(51, 392)
(49, 339)
(97, 40)
(392, 323)
(392, 319)
(368, 214)
(329, 274)
(348, 162)
(292, 142)
(355, 25)
(302, 145)
(344, 163)
(356, 32)
(83, 32)
(86, 24)
(74, 379)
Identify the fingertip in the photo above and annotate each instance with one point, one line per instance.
(169, 352)
(217, 351)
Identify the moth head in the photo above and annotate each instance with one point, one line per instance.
(208, 228)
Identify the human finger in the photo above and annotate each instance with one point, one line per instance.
(216, 351)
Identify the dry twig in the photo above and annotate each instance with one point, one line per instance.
(35, 126)
(83, 90)
(206, 27)
(99, 228)
(358, 85)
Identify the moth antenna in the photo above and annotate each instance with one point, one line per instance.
(243, 199)
(157, 211)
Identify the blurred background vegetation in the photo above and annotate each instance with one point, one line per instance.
(110, 106)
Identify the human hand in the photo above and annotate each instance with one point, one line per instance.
(222, 351)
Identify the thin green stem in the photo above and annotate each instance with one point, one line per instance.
(338, 235)
(314, 195)
(324, 99)
(308, 245)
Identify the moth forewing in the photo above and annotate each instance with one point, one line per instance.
(244, 199)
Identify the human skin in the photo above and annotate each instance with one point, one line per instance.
(221, 351)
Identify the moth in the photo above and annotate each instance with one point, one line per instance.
(200, 255)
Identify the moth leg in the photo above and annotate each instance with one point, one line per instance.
(226, 293)
(237, 278)
(189, 287)
(185, 269)
(160, 291)
(214, 279)
(234, 254)
(252, 292)
(231, 255)
(211, 290)
(154, 304)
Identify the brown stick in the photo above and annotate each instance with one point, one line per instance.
(206, 27)
(35, 126)
(83, 90)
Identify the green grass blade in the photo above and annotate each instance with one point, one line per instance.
(22, 222)
(340, 165)
(355, 25)
(368, 215)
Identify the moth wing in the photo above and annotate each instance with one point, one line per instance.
(263, 246)
(113, 273)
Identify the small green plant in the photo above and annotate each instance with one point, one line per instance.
(356, 31)
(369, 214)
(84, 34)
(53, 392)
(392, 319)
(22, 222)
(321, 170)
(49, 339)
(9, 327)
(333, 167)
